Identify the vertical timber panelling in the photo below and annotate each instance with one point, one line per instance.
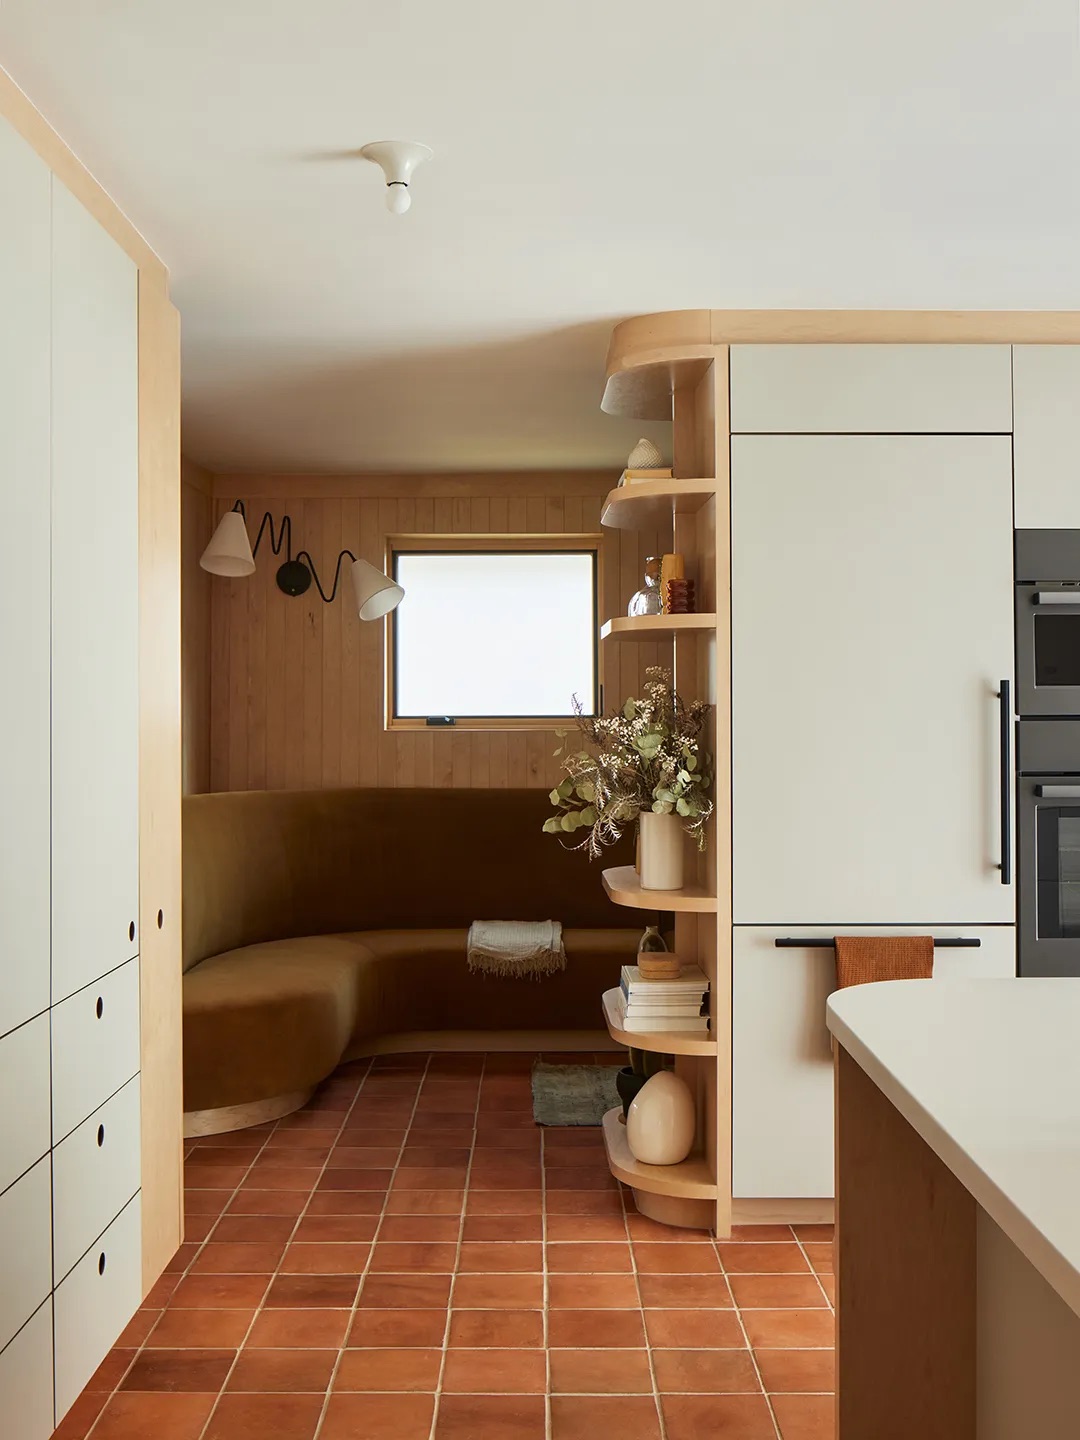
(296, 694)
(196, 525)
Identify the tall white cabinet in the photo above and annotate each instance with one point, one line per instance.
(70, 1249)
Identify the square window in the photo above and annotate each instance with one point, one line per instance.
(486, 634)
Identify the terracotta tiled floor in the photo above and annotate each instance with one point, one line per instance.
(411, 1257)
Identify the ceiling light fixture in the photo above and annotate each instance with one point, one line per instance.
(398, 158)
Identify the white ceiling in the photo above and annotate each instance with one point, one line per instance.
(594, 159)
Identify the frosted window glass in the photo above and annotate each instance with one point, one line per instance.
(495, 634)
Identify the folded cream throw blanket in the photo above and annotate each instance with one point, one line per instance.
(527, 949)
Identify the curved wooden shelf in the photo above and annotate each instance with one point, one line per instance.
(653, 504)
(656, 627)
(689, 1180)
(662, 1041)
(623, 885)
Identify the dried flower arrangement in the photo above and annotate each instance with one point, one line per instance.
(646, 756)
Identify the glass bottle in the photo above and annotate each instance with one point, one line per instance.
(654, 960)
(648, 600)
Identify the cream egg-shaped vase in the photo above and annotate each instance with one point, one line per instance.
(660, 1123)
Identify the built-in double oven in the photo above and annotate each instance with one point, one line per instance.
(1048, 750)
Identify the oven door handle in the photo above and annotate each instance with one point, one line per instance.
(1056, 597)
(1058, 792)
(1005, 734)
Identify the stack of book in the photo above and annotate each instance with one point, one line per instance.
(655, 1005)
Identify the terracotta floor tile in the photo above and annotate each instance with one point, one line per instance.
(200, 1329)
(203, 1371)
(365, 1157)
(604, 1257)
(573, 1156)
(505, 1176)
(684, 1292)
(352, 1180)
(820, 1255)
(182, 1259)
(206, 1202)
(290, 1371)
(310, 1157)
(198, 1227)
(267, 1202)
(584, 1417)
(694, 1329)
(643, 1229)
(504, 1202)
(216, 1259)
(265, 1417)
(138, 1328)
(298, 1329)
(421, 1177)
(750, 1259)
(503, 1228)
(111, 1370)
(405, 1292)
(253, 1229)
(797, 1371)
(600, 1372)
(828, 1284)
(421, 1136)
(160, 1292)
(378, 1417)
(584, 1202)
(346, 1202)
(805, 1417)
(425, 1202)
(323, 1229)
(656, 1258)
(611, 1329)
(784, 1329)
(212, 1177)
(592, 1292)
(164, 1417)
(498, 1329)
(495, 1372)
(487, 1417)
(485, 1258)
(409, 1229)
(78, 1420)
(712, 1372)
(282, 1177)
(814, 1232)
(394, 1370)
(498, 1292)
(776, 1292)
(394, 1328)
(593, 1177)
(419, 1155)
(590, 1228)
(762, 1234)
(415, 1257)
(323, 1258)
(321, 1292)
(720, 1417)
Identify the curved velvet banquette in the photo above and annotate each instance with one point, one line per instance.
(328, 924)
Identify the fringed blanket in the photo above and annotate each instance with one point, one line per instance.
(522, 949)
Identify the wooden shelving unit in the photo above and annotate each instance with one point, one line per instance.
(656, 627)
(653, 504)
(662, 1042)
(623, 885)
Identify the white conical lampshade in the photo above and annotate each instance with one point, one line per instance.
(229, 551)
(376, 593)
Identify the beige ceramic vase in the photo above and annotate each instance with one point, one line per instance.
(660, 1123)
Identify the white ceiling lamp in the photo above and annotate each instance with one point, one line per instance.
(398, 158)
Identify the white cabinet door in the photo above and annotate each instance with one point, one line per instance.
(95, 1047)
(782, 1074)
(25, 1109)
(1046, 389)
(95, 498)
(95, 1174)
(26, 1379)
(24, 581)
(871, 389)
(871, 624)
(25, 1248)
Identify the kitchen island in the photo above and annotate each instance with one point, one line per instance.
(958, 1208)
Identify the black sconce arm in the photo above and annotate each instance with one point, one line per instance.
(302, 555)
(284, 535)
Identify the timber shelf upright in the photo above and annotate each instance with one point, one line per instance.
(659, 370)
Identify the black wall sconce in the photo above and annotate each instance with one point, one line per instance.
(230, 552)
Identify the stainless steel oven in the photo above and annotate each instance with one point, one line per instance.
(1048, 829)
(1048, 622)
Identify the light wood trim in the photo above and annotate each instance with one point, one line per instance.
(653, 504)
(906, 1276)
(225, 1118)
(279, 489)
(689, 1180)
(675, 1210)
(809, 1211)
(663, 1042)
(17, 108)
(471, 544)
(623, 885)
(656, 627)
(495, 1042)
(159, 775)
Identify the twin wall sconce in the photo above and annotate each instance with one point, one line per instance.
(230, 552)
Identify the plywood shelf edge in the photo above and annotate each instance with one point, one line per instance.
(663, 1042)
(689, 1180)
(652, 504)
(623, 886)
(656, 627)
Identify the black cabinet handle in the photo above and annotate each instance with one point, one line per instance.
(131, 930)
(99, 1008)
(100, 1136)
(1005, 719)
(101, 1263)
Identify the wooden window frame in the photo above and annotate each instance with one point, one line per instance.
(474, 544)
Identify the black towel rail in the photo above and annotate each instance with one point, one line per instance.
(816, 942)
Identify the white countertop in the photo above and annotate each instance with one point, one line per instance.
(988, 1073)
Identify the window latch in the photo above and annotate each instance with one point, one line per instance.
(440, 720)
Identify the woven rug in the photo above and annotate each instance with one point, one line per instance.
(573, 1094)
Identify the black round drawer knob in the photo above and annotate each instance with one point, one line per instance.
(100, 1136)
(101, 1263)
(99, 1008)
(131, 930)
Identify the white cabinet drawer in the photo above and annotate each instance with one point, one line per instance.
(782, 1074)
(1046, 385)
(871, 389)
(25, 1248)
(25, 1121)
(95, 1046)
(95, 1174)
(26, 1380)
(94, 1303)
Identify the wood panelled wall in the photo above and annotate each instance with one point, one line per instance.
(297, 688)
(196, 524)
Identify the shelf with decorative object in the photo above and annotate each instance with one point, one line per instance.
(653, 504)
(656, 627)
(688, 1185)
(663, 1042)
(623, 885)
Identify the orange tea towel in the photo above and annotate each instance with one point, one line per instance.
(862, 958)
